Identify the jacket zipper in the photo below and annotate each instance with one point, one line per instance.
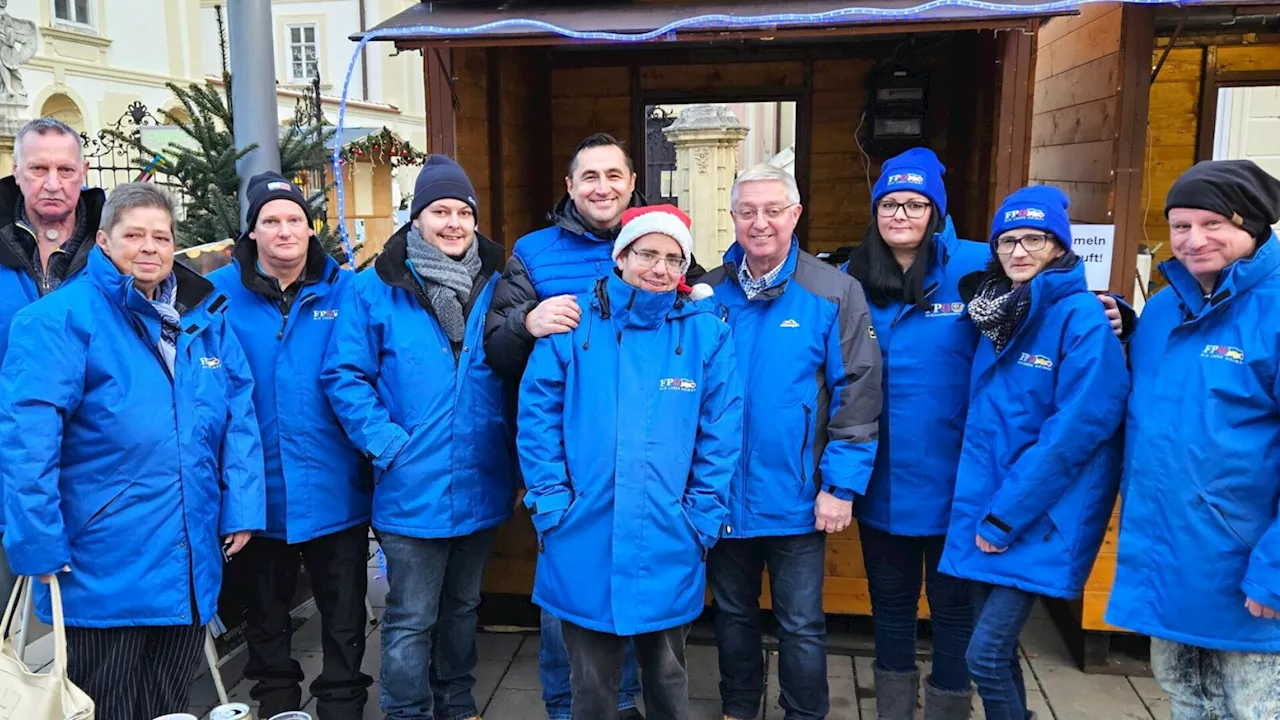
(804, 444)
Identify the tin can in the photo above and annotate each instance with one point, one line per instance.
(232, 711)
(291, 715)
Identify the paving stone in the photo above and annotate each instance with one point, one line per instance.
(513, 704)
(498, 646)
(523, 675)
(704, 672)
(1148, 689)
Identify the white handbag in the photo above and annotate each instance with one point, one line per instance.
(25, 695)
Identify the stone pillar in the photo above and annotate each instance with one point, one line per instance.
(706, 139)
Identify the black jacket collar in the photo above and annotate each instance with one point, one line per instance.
(392, 265)
(91, 203)
(246, 256)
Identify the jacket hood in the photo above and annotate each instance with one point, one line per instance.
(735, 256)
(566, 216)
(193, 288)
(1237, 278)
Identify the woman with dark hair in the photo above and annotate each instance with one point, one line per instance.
(910, 266)
(1040, 465)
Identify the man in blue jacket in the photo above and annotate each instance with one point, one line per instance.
(1199, 556)
(283, 294)
(47, 226)
(406, 374)
(630, 431)
(128, 449)
(536, 298)
(808, 354)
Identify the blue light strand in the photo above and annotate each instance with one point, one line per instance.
(727, 22)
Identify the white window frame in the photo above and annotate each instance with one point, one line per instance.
(87, 22)
(289, 46)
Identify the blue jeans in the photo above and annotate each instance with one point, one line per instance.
(894, 578)
(1216, 684)
(429, 629)
(553, 668)
(796, 566)
(999, 616)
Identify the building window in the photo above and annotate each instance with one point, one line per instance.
(72, 11)
(304, 55)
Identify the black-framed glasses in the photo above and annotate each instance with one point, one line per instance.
(749, 214)
(915, 209)
(1030, 243)
(648, 258)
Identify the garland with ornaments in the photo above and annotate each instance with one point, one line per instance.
(381, 144)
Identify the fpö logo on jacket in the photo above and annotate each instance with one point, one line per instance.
(324, 315)
(677, 384)
(945, 310)
(906, 179)
(1039, 362)
(1223, 352)
(1023, 214)
(210, 363)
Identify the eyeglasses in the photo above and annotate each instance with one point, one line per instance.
(1030, 243)
(749, 214)
(648, 258)
(914, 209)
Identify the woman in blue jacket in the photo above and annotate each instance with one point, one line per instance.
(406, 376)
(630, 428)
(1199, 560)
(1040, 463)
(910, 265)
(131, 459)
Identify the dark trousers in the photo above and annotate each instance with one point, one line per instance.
(337, 565)
(595, 662)
(1000, 614)
(894, 575)
(135, 672)
(796, 566)
(429, 629)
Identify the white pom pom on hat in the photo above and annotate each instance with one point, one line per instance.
(666, 220)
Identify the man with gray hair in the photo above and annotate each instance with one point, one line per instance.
(811, 367)
(47, 226)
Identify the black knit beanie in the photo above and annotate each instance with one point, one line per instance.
(268, 186)
(1238, 190)
(440, 179)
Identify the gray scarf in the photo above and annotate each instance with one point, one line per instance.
(170, 319)
(448, 282)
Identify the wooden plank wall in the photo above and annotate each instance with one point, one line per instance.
(1075, 122)
(522, 210)
(472, 124)
(1174, 119)
(585, 101)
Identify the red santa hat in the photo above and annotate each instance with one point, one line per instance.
(661, 219)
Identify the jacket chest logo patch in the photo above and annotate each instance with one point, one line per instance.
(1228, 353)
(324, 315)
(677, 384)
(953, 309)
(789, 323)
(1039, 362)
(210, 363)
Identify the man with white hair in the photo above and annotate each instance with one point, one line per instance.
(811, 366)
(47, 228)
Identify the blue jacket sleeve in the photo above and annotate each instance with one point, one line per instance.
(718, 446)
(42, 382)
(349, 377)
(540, 435)
(853, 375)
(1262, 579)
(244, 488)
(1090, 393)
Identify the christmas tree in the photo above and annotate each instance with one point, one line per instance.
(204, 165)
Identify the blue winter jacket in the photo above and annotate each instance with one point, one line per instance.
(437, 429)
(630, 430)
(118, 469)
(1041, 458)
(316, 482)
(807, 352)
(18, 287)
(1200, 524)
(926, 358)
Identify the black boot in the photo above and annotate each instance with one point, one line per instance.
(942, 704)
(896, 694)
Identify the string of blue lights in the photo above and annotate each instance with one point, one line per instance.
(706, 21)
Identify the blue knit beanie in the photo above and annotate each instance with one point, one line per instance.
(441, 178)
(916, 170)
(1040, 207)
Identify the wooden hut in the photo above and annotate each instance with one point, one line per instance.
(510, 103)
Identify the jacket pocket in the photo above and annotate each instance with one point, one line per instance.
(101, 512)
(1218, 515)
(804, 448)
